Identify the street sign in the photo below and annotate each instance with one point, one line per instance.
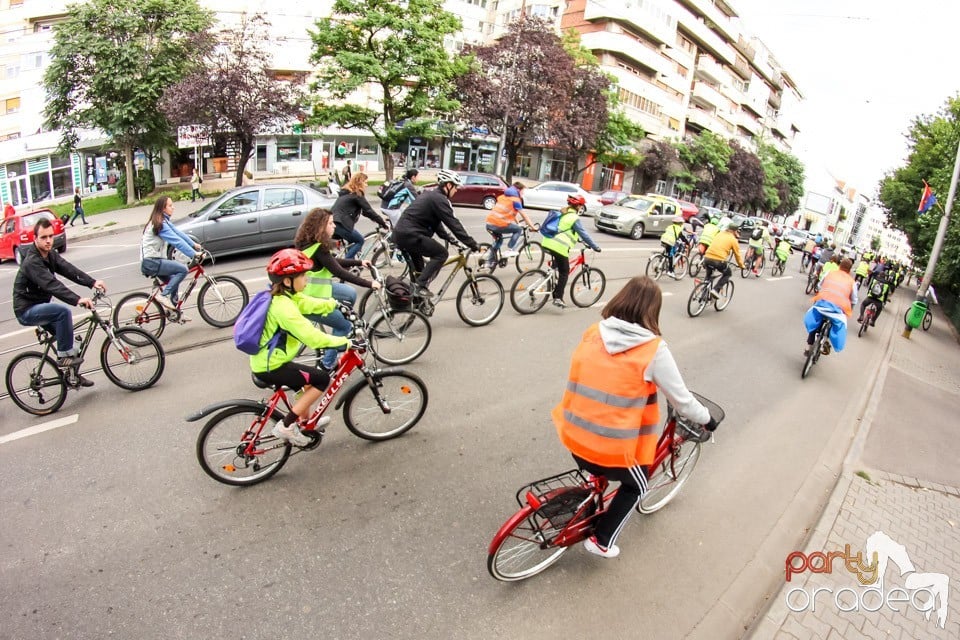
(193, 135)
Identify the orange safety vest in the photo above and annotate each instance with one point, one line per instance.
(609, 413)
(837, 287)
(505, 211)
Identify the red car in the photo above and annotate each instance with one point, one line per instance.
(478, 190)
(612, 197)
(688, 210)
(17, 231)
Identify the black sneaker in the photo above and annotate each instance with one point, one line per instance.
(84, 382)
(69, 361)
(425, 293)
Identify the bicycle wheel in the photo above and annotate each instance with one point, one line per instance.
(399, 337)
(747, 267)
(726, 295)
(531, 257)
(221, 300)
(760, 262)
(667, 478)
(224, 451)
(680, 266)
(695, 264)
(927, 321)
(698, 299)
(811, 284)
(390, 407)
(134, 360)
(655, 266)
(530, 291)
(389, 263)
(587, 287)
(518, 551)
(35, 383)
(138, 310)
(864, 325)
(480, 300)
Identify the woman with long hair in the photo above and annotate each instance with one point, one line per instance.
(315, 239)
(157, 234)
(350, 204)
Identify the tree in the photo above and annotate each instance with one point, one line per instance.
(703, 157)
(110, 62)
(233, 94)
(527, 87)
(657, 163)
(396, 47)
(783, 180)
(742, 184)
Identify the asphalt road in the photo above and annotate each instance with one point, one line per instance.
(111, 528)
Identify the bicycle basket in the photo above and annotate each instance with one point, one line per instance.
(398, 293)
(561, 505)
(690, 430)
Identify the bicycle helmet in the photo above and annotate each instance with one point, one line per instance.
(576, 200)
(287, 262)
(446, 175)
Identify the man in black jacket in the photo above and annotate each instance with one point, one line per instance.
(428, 215)
(36, 284)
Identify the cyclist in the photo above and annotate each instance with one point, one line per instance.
(287, 270)
(569, 233)
(36, 284)
(720, 248)
(877, 295)
(428, 215)
(315, 239)
(835, 301)
(406, 194)
(352, 202)
(759, 238)
(783, 250)
(710, 231)
(672, 241)
(825, 256)
(608, 417)
(863, 270)
(157, 234)
(502, 220)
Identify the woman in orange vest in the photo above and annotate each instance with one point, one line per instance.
(836, 300)
(609, 418)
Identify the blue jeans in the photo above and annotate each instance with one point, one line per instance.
(78, 212)
(498, 232)
(171, 269)
(352, 237)
(57, 317)
(339, 326)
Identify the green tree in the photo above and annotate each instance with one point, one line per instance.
(703, 157)
(875, 243)
(110, 63)
(657, 162)
(395, 48)
(783, 180)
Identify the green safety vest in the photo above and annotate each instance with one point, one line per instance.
(671, 234)
(709, 232)
(863, 268)
(566, 238)
(319, 283)
(783, 250)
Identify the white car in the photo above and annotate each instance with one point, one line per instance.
(553, 195)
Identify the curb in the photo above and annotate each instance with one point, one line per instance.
(108, 231)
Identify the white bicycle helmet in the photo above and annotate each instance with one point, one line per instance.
(446, 175)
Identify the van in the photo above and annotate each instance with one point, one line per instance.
(636, 216)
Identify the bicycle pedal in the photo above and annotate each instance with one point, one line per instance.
(316, 437)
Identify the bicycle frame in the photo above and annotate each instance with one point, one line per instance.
(48, 339)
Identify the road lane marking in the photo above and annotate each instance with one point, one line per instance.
(40, 428)
(116, 266)
(780, 278)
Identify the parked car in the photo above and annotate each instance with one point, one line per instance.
(252, 218)
(796, 237)
(553, 195)
(688, 209)
(478, 189)
(709, 212)
(17, 231)
(636, 216)
(749, 223)
(612, 197)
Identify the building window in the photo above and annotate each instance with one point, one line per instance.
(686, 44)
(16, 3)
(11, 105)
(639, 102)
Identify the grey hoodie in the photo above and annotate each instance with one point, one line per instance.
(619, 336)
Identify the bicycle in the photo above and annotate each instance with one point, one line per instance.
(236, 445)
(695, 263)
(131, 358)
(821, 346)
(750, 262)
(700, 297)
(657, 265)
(869, 317)
(813, 280)
(562, 510)
(530, 253)
(779, 267)
(382, 252)
(220, 300)
(531, 290)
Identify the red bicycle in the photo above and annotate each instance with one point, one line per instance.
(236, 445)
(562, 510)
(532, 289)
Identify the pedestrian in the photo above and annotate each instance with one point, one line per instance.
(195, 183)
(609, 417)
(347, 172)
(77, 208)
(9, 211)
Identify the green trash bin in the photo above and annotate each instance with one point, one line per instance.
(916, 313)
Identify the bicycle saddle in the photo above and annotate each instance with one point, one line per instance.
(265, 385)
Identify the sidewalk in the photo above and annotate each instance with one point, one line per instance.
(898, 495)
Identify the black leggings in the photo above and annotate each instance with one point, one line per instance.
(633, 484)
(562, 265)
(294, 376)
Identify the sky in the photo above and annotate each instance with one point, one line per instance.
(867, 69)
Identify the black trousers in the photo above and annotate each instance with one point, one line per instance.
(562, 265)
(723, 268)
(633, 484)
(418, 247)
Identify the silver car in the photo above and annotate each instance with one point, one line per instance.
(636, 216)
(263, 216)
(553, 195)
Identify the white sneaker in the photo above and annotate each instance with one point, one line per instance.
(591, 545)
(713, 293)
(509, 253)
(165, 301)
(291, 434)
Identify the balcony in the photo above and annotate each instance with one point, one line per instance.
(675, 81)
(748, 123)
(661, 28)
(774, 100)
(701, 119)
(709, 69)
(706, 95)
(708, 10)
(745, 48)
(624, 46)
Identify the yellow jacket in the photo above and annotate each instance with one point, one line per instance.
(722, 246)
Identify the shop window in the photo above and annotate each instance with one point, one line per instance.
(16, 169)
(59, 161)
(40, 186)
(288, 149)
(306, 150)
(62, 182)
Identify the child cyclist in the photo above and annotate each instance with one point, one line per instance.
(569, 233)
(287, 271)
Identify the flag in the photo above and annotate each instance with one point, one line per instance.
(927, 200)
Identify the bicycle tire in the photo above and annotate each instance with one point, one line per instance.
(480, 300)
(531, 257)
(482, 263)
(529, 291)
(696, 303)
(695, 264)
(746, 268)
(763, 265)
(138, 354)
(28, 375)
(927, 321)
(222, 310)
(399, 337)
(668, 477)
(655, 266)
(811, 284)
(726, 295)
(517, 551)
(404, 393)
(863, 326)
(220, 456)
(138, 310)
(363, 303)
(680, 266)
(587, 287)
(389, 263)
